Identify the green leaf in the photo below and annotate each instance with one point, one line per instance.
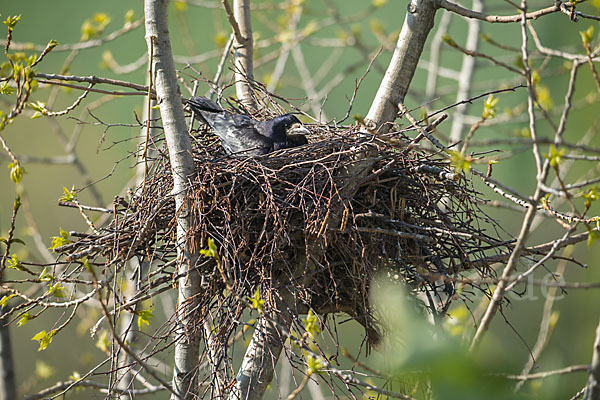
(43, 370)
(15, 263)
(56, 290)
(38, 106)
(88, 265)
(590, 196)
(311, 324)
(24, 319)
(5, 299)
(70, 195)
(61, 240)
(103, 343)
(449, 41)
(7, 89)
(256, 302)
(592, 236)
(211, 251)
(555, 156)
(221, 38)
(129, 16)
(489, 105)
(16, 172)
(459, 161)
(586, 36)
(144, 317)
(11, 22)
(45, 338)
(75, 376)
(314, 364)
(45, 276)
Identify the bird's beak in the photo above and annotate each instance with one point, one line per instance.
(298, 129)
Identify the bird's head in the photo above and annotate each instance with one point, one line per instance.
(286, 125)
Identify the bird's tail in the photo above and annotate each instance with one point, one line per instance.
(202, 104)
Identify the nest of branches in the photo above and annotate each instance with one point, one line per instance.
(301, 218)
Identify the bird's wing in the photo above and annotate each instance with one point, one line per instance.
(238, 133)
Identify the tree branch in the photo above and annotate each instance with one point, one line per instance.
(592, 391)
(465, 12)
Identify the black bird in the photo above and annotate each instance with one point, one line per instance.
(243, 135)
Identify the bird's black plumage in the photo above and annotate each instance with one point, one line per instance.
(240, 134)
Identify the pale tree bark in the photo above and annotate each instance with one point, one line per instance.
(466, 75)
(243, 47)
(394, 86)
(260, 360)
(592, 391)
(182, 167)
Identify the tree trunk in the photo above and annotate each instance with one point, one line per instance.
(262, 354)
(182, 167)
(243, 53)
(394, 86)
(7, 372)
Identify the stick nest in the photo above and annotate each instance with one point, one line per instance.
(304, 218)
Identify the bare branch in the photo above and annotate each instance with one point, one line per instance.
(465, 12)
(592, 391)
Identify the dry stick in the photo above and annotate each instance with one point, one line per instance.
(83, 45)
(297, 391)
(93, 79)
(473, 53)
(357, 85)
(557, 244)
(511, 89)
(592, 66)
(561, 128)
(234, 25)
(465, 12)
(89, 89)
(552, 52)
(545, 325)
(433, 66)
(59, 386)
(285, 51)
(308, 83)
(592, 390)
(126, 348)
(531, 211)
(542, 375)
(220, 68)
(466, 75)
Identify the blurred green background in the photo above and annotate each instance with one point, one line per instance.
(197, 30)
